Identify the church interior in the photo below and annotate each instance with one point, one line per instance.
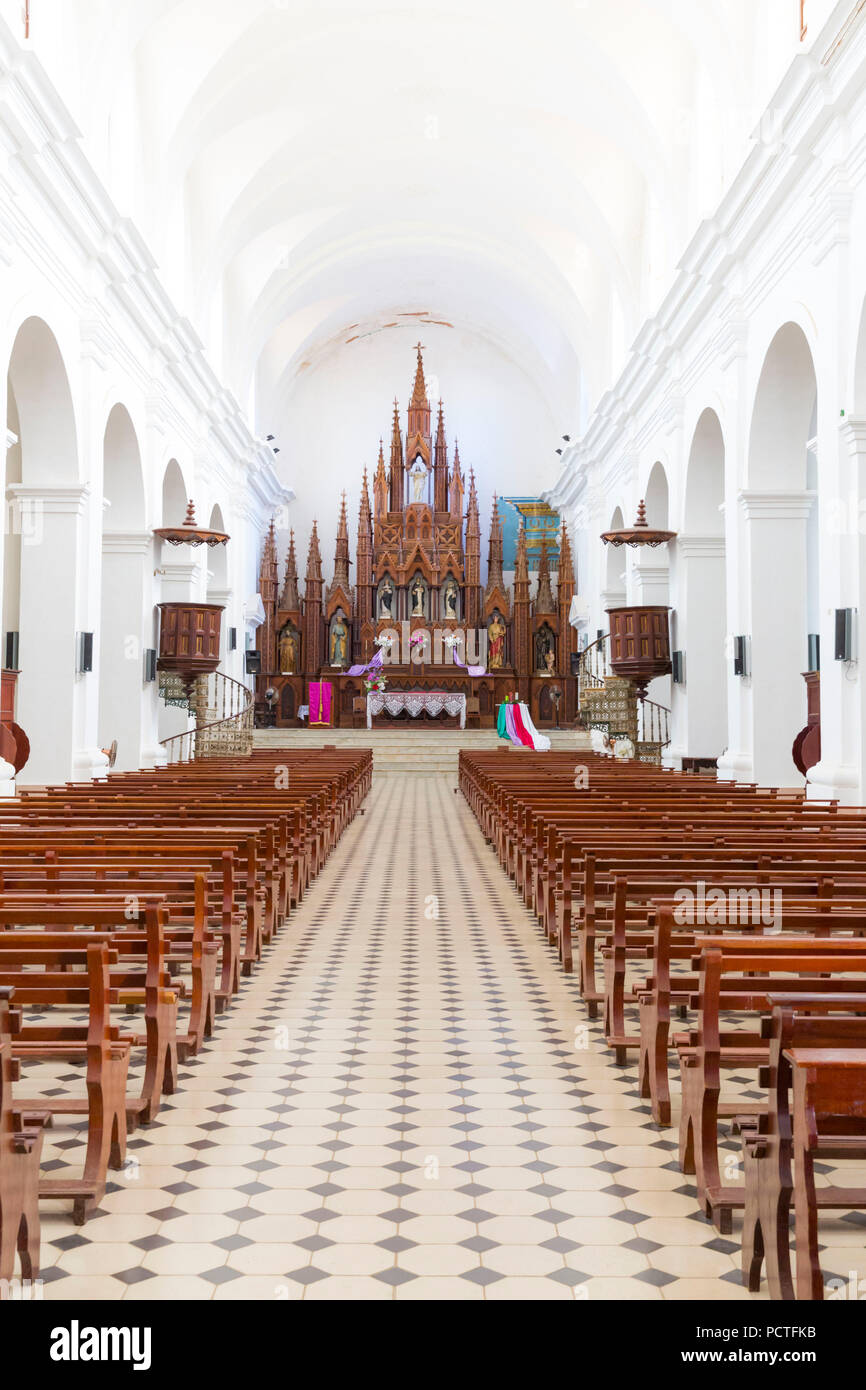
(432, 739)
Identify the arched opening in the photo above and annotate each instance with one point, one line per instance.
(698, 588)
(218, 590)
(126, 626)
(174, 495)
(45, 506)
(781, 545)
(217, 559)
(613, 594)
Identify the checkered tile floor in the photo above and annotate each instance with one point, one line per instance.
(405, 1103)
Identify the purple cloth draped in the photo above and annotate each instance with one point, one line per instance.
(470, 670)
(372, 665)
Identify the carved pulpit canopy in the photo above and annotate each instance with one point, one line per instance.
(190, 533)
(639, 534)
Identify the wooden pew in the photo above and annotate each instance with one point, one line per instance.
(737, 976)
(20, 1151)
(98, 1044)
(829, 1022)
(136, 940)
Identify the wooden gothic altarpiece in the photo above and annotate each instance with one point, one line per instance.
(417, 566)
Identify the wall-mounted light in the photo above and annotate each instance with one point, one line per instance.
(741, 656)
(150, 663)
(813, 642)
(678, 668)
(85, 652)
(11, 662)
(844, 643)
(233, 639)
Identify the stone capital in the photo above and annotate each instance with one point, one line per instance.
(777, 506)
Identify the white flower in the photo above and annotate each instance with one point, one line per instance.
(623, 749)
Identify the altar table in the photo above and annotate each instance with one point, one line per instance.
(416, 702)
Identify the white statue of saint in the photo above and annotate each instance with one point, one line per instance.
(419, 480)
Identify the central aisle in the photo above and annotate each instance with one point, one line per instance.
(402, 1105)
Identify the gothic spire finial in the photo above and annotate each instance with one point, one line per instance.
(419, 390)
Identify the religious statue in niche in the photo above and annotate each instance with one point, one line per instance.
(495, 643)
(288, 651)
(544, 646)
(339, 639)
(419, 481)
(418, 595)
(450, 597)
(386, 599)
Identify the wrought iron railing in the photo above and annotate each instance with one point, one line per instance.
(653, 720)
(594, 666)
(653, 723)
(223, 710)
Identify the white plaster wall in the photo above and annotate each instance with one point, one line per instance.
(71, 263)
(787, 245)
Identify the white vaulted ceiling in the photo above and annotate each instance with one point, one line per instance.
(307, 171)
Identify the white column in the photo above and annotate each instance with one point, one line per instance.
(52, 695)
(127, 704)
(699, 705)
(839, 773)
(774, 688)
(227, 658)
(183, 581)
(649, 587)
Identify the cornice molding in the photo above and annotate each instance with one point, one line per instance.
(781, 178)
(126, 542)
(776, 506)
(700, 547)
(60, 500)
(128, 319)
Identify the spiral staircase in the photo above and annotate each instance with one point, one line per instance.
(223, 711)
(609, 702)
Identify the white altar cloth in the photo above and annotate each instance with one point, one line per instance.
(393, 702)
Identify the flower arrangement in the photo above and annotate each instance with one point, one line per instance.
(373, 685)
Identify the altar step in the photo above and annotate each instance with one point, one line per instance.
(401, 750)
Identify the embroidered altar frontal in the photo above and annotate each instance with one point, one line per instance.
(415, 703)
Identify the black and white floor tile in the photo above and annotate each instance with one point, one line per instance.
(406, 1102)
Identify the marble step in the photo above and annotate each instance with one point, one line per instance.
(401, 751)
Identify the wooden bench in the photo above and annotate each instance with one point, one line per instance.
(772, 1156)
(20, 1151)
(737, 976)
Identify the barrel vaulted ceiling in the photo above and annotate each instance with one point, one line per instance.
(307, 172)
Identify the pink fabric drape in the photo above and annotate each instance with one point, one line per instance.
(320, 702)
(524, 737)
